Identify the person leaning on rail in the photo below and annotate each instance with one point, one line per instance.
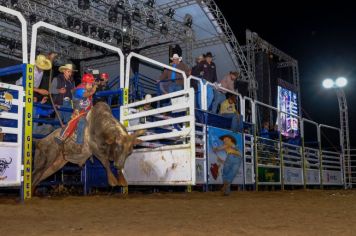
(41, 64)
(228, 110)
(175, 82)
(228, 83)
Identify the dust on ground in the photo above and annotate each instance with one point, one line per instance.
(309, 212)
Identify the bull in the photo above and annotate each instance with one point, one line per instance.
(105, 138)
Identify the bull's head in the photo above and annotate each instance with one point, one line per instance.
(123, 146)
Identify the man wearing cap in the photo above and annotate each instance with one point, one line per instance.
(175, 79)
(61, 88)
(227, 82)
(207, 68)
(41, 64)
(232, 161)
(82, 101)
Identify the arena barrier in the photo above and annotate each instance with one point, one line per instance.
(199, 91)
(42, 24)
(249, 160)
(201, 153)
(332, 163)
(167, 155)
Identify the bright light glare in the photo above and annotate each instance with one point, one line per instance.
(328, 83)
(341, 82)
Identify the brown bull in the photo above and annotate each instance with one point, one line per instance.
(105, 138)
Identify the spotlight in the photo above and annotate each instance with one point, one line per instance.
(188, 20)
(93, 31)
(150, 3)
(151, 23)
(85, 28)
(136, 15)
(170, 13)
(120, 7)
(125, 22)
(328, 83)
(135, 42)
(163, 28)
(112, 15)
(14, 3)
(107, 36)
(341, 82)
(70, 22)
(76, 24)
(84, 4)
(101, 33)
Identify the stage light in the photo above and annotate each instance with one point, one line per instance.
(163, 28)
(112, 15)
(85, 28)
(101, 33)
(70, 22)
(136, 15)
(341, 82)
(14, 3)
(84, 4)
(135, 42)
(151, 23)
(125, 22)
(188, 20)
(76, 24)
(170, 13)
(93, 31)
(150, 3)
(328, 83)
(107, 36)
(120, 7)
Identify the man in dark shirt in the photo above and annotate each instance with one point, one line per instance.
(207, 68)
(102, 85)
(61, 88)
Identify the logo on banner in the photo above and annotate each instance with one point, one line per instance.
(4, 164)
(5, 101)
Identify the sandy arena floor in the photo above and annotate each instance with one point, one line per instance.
(311, 212)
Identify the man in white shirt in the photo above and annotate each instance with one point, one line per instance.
(41, 64)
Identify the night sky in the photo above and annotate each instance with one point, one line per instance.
(321, 36)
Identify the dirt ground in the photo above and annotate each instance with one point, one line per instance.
(310, 212)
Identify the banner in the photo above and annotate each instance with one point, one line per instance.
(269, 174)
(331, 177)
(293, 176)
(216, 158)
(313, 177)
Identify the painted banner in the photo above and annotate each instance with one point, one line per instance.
(313, 176)
(171, 165)
(10, 166)
(293, 176)
(216, 159)
(331, 177)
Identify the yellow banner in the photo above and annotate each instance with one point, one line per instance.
(126, 101)
(28, 131)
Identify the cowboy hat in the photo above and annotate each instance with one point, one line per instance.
(209, 54)
(43, 63)
(232, 138)
(176, 56)
(66, 67)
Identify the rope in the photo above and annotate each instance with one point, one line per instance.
(51, 99)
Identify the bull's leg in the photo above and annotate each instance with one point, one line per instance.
(106, 163)
(57, 165)
(122, 180)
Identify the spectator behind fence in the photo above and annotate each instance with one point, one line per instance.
(176, 82)
(41, 64)
(195, 70)
(61, 88)
(102, 85)
(207, 70)
(228, 110)
(51, 56)
(265, 130)
(228, 83)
